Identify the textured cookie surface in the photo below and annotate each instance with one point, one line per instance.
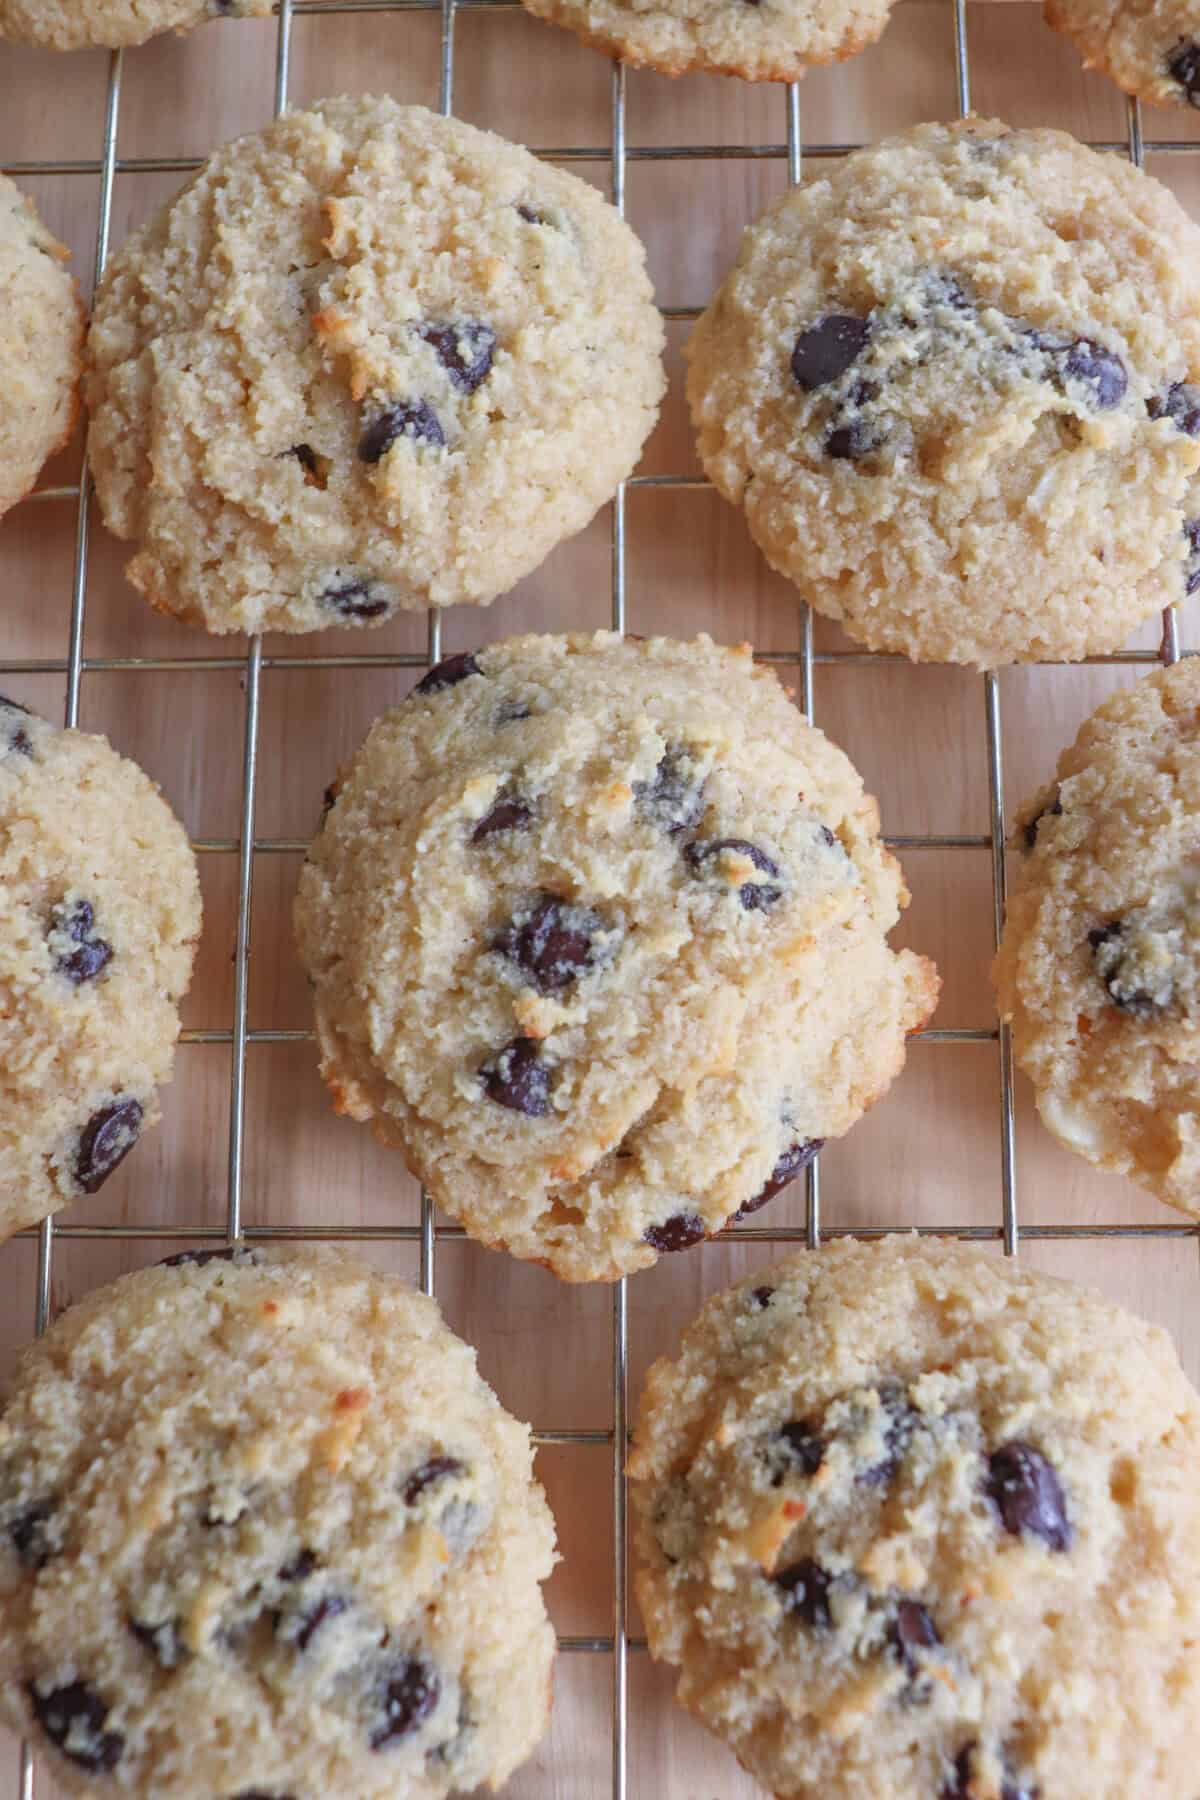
(99, 915)
(264, 1532)
(916, 1525)
(960, 352)
(1099, 969)
(369, 359)
(74, 24)
(41, 345)
(1149, 47)
(762, 40)
(596, 929)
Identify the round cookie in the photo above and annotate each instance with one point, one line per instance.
(1149, 47)
(949, 380)
(763, 40)
(265, 1534)
(75, 24)
(596, 929)
(41, 345)
(1099, 967)
(369, 359)
(919, 1525)
(99, 916)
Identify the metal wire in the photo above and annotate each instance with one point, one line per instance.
(618, 154)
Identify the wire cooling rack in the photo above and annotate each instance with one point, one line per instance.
(618, 154)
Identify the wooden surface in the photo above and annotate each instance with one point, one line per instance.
(930, 1153)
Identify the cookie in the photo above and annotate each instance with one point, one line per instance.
(1148, 47)
(950, 382)
(596, 930)
(1099, 967)
(369, 359)
(99, 916)
(919, 1525)
(761, 40)
(75, 24)
(41, 345)
(266, 1533)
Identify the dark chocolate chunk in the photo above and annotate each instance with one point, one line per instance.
(436, 1469)
(959, 1787)
(553, 942)
(410, 1692)
(300, 1629)
(827, 349)
(804, 1588)
(32, 1542)
(1085, 362)
(448, 673)
(1026, 1492)
(672, 799)
(804, 1445)
(531, 215)
(13, 735)
(198, 1258)
(465, 351)
(300, 1567)
(1191, 573)
(896, 1433)
(677, 1233)
(162, 1641)
(762, 1296)
(1183, 66)
(912, 1630)
(73, 1718)
(755, 896)
(792, 1163)
(355, 599)
(1181, 404)
(1118, 970)
(516, 1077)
(1053, 811)
(508, 813)
(412, 419)
(105, 1142)
(80, 954)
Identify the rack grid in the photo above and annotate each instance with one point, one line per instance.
(429, 1232)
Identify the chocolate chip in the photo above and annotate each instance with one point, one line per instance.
(413, 419)
(827, 349)
(306, 456)
(1191, 578)
(32, 1542)
(162, 1641)
(79, 954)
(754, 896)
(531, 215)
(804, 1445)
(762, 1296)
(1183, 66)
(677, 1233)
(436, 1469)
(1026, 1491)
(509, 813)
(105, 1142)
(1118, 970)
(73, 1718)
(300, 1567)
(198, 1258)
(896, 1433)
(672, 799)
(448, 673)
(1086, 362)
(464, 349)
(13, 735)
(553, 942)
(960, 1788)
(805, 1591)
(912, 1629)
(1053, 811)
(411, 1690)
(516, 1077)
(791, 1163)
(299, 1629)
(1180, 404)
(355, 599)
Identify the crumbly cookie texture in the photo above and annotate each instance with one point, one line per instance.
(99, 916)
(950, 381)
(760, 40)
(1148, 47)
(369, 359)
(41, 345)
(265, 1534)
(596, 929)
(918, 1525)
(75, 24)
(1099, 968)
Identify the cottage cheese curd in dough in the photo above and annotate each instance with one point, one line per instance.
(265, 1534)
(369, 359)
(41, 345)
(99, 916)
(596, 930)
(74, 24)
(953, 382)
(1149, 47)
(918, 1525)
(1099, 969)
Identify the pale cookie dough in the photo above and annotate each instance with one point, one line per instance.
(761, 40)
(368, 359)
(41, 345)
(265, 1534)
(596, 930)
(919, 1525)
(1099, 968)
(949, 382)
(75, 24)
(1149, 47)
(99, 916)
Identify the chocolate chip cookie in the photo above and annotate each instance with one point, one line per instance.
(1099, 968)
(99, 915)
(41, 345)
(596, 930)
(265, 1534)
(761, 40)
(954, 381)
(74, 24)
(918, 1525)
(1149, 47)
(369, 359)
